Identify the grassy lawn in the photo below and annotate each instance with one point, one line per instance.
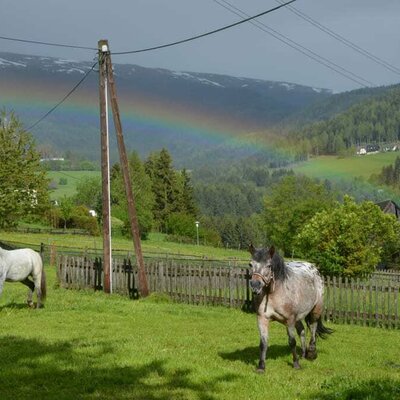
(155, 244)
(86, 345)
(333, 167)
(72, 179)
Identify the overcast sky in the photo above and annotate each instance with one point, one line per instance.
(244, 50)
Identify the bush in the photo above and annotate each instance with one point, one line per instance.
(87, 223)
(181, 224)
(350, 239)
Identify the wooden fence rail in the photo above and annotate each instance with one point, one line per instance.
(368, 302)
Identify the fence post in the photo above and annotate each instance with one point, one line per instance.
(53, 254)
(248, 300)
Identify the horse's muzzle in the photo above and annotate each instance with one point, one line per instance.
(256, 286)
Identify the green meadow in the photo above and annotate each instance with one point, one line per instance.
(88, 345)
(336, 168)
(71, 179)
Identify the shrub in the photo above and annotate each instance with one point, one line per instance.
(350, 239)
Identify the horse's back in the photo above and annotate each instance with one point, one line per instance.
(300, 292)
(21, 263)
(306, 272)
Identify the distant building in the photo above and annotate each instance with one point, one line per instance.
(390, 207)
(93, 213)
(52, 159)
(372, 148)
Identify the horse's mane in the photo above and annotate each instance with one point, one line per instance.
(278, 265)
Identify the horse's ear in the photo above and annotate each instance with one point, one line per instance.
(252, 249)
(271, 251)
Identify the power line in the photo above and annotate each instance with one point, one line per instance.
(47, 43)
(64, 98)
(297, 46)
(204, 34)
(343, 40)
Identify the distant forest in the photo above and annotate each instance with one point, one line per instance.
(376, 120)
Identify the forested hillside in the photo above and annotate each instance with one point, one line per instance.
(324, 109)
(375, 120)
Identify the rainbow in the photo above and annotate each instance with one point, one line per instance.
(140, 113)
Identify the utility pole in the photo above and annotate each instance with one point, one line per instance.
(143, 286)
(105, 163)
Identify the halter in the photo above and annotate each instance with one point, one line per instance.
(265, 280)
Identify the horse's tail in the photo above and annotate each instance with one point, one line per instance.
(43, 288)
(322, 330)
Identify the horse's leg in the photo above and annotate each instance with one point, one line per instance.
(291, 331)
(302, 334)
(37, 279)
(312, 348)
(263, 325)
(31, 286)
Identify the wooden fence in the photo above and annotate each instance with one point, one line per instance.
(369, 302)
(189, 281)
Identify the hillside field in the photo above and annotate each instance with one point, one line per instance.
(72, 179)
(87, 345)
(322, 167)
(335, 168)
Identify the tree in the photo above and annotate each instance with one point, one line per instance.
(349, 239)
(164, 187)
(23, 182)
(186, 201)
(88, 192)
(289, 206)
(66, 208)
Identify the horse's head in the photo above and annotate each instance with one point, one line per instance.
(262, 273)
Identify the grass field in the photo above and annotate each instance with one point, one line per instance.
(333, 167)
(72, 178)
(86, 345)
(155, 244)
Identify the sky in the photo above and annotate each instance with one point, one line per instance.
(244, 50)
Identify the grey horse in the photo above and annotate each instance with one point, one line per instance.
(287, 293)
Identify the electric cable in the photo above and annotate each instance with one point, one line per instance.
(64, 98)
(297, 46)
(47, 43)
(203, 34)
(343, 40)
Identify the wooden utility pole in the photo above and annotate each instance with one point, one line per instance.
(143, 286)
(105, 163)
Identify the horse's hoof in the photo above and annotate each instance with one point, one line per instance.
(260, 370)
(311, 355)
(30, 304)
(296, 365)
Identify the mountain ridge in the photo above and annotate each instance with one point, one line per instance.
(175, 109)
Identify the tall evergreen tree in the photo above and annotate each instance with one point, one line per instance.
(165, 188)
(186, 201)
